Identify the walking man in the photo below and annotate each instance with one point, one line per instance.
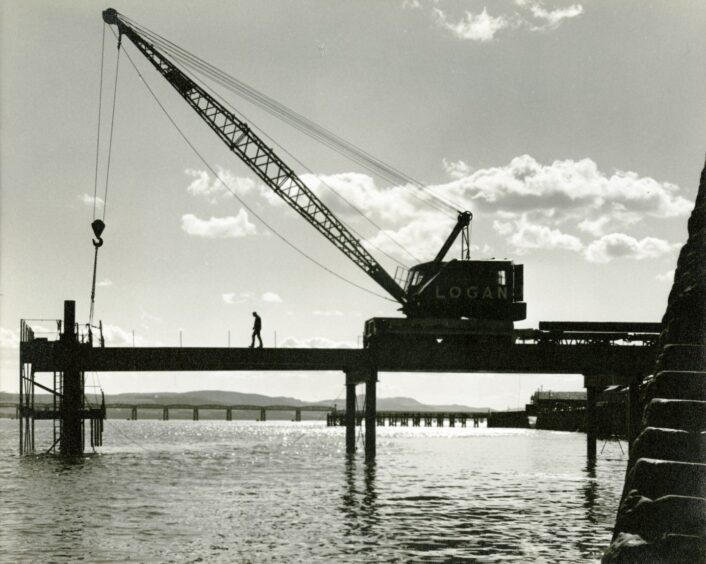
(256, 328)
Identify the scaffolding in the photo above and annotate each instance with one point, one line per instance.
(69, 408)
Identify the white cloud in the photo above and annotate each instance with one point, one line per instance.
(474, 27)
(218, 227)
(482, 27)
(9, 339)
(574, 191)
(456, 169)
(524, 236)
(502, 228)
(271, 297)
(105, 282)
(360, 190)
(314, 343)
(666, 276)
(552, 18)
(211, 188)
(422, 236)
(327, 313)
(560, 205)
(233, 298)
(622, 246)
(87, 200)
(215, 189)
(119, 337)
(595, 227)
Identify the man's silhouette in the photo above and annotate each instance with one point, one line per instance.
(256, 328)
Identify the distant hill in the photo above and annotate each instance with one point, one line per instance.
(220, 397)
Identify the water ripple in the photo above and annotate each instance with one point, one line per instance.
(212, 491)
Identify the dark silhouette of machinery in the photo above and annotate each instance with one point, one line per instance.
(471, 296)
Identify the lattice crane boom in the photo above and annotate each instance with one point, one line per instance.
(260, 158)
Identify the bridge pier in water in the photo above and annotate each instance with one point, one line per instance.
(595, 385)
(351, 383)
(634, 414)
(369, 378)
(591, 431)
(71, 442)
(370, 406)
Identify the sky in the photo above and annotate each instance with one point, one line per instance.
(574, 132)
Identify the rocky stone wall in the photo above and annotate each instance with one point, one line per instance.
(662, 514)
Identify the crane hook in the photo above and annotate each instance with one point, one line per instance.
(98, 228)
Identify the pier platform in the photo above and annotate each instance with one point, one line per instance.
(605, 356)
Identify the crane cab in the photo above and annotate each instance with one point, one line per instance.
(474, 289)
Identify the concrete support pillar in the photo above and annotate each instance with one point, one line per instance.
(165, 414)
(591, 395)
(71, 443)
(229, 414)
(634, 412)
(263, 414)
(298, 415)
(370, 409)
(350, 413)
(196, 414)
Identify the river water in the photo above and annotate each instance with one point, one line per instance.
(216, 491)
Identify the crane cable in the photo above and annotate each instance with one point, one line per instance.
(331, 188)
(327, 185)
(98, 132)
(226, 103)
(295, 119)
(237, 197)
(98, 225)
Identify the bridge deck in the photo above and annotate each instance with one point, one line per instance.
(609, 360)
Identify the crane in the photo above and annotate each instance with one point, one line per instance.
(486, 291)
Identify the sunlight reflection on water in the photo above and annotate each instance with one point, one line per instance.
(279, 491)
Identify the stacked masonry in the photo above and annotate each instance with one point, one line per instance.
(662, 514)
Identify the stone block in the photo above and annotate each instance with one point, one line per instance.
(683, 358)
(686, 415)
(658, 478)
(670, 444)
(628, 548)
(678, 385)
(670, 514)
